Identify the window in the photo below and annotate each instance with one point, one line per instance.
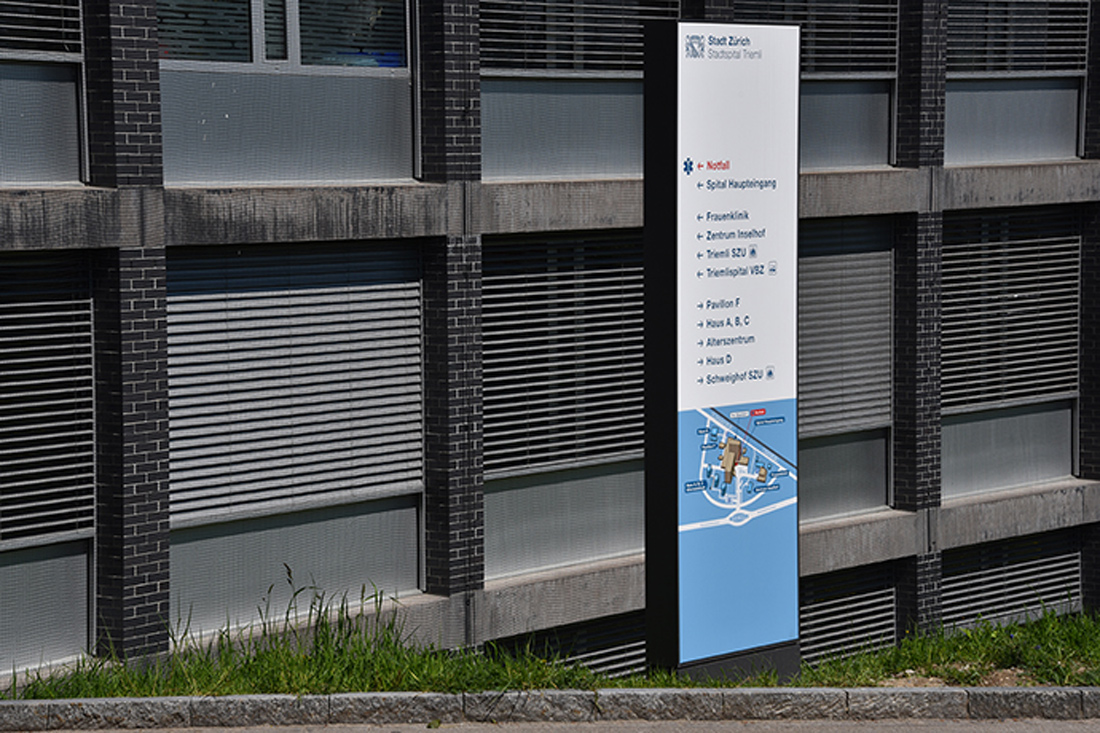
(295, 91)
(41, 52)
(564, 399)
(1014, 71)
(1011, 294)
(845, 276)
(561, 93)
(360, 33)
(849, 64)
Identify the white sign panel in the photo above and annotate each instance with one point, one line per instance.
(737, 213)
(737, 261)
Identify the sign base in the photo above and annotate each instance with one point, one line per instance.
(783, 659)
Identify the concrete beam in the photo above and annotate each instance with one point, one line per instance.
(525, 603)
(864, 539)
(543, 206)
(565, 596)
(67, 218)
(243, 215)
(865, 192)
(991, 516)
(1032, 184)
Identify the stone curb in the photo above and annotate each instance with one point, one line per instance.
(574, 706)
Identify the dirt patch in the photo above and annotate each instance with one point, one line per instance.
(910, 678)
(1011, 677)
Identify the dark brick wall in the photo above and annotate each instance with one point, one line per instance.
(450, 90)
(922, 43)
(123, 92)
(1092, 86)
(454, 522)
(1088, 403)
(920, 594)
(917, 307)
(1090, 566)
(132, 452)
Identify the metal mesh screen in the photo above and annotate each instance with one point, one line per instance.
(40, 25)
(563, 351)
(845, 37)
(596, 35)
(231, 573)
(294, 378)
(1012, 580)
(47, 429)
(845, 276)
(1011, 293)
(1017, 36)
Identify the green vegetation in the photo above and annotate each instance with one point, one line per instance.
(341, 647)
(346, 647)
(1051, 650)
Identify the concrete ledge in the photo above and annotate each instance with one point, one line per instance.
(675, 704)
(863, 192)
(1051, 703)
(779, 703)
(875, 703)
(555, 706)
(76, 218)
(230, 711)
(393, 708)
(863, 539)
(320, 213)
(990, 516)
(542, 206)
(579, 706)
(1027, 184)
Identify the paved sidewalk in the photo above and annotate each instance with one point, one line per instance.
(556, 706)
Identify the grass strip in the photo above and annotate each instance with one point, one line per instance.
(355, 647)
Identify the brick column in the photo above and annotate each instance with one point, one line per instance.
(454, 497)
(123, 93)
(1092, 85)
(920, 594)
(132, 453)
(124, 151)
(917, 309)
(1090, 566)
(1088, 402)
(450, 90)
(921, 86)
(454, 521)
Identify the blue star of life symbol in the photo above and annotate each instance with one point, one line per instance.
(689, 166)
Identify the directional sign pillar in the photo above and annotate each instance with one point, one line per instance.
(721, 213)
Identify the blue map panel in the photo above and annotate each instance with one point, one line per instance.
(738, 528)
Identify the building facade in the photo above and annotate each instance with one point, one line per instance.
(348, 294)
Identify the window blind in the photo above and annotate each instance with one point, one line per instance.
(845, 286)
(294, 378)
(563, 351)
(1011, 294)
(590, 35)
(47, 417)
(842, 37)
(41, 25)
(1017, 36)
